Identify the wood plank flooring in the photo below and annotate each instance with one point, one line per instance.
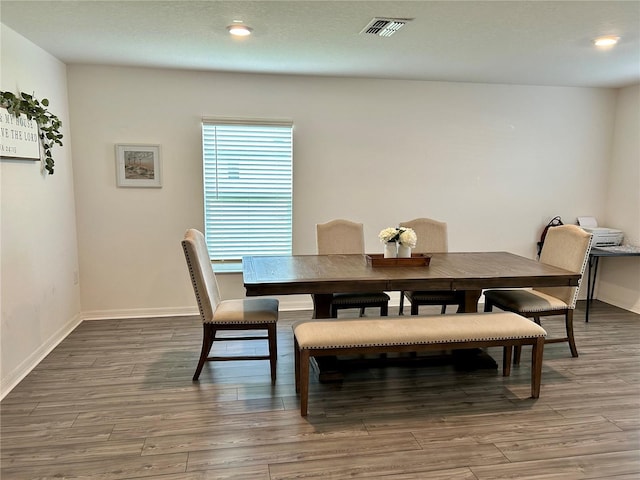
(115, 400)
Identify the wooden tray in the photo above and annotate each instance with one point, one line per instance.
(416, 260)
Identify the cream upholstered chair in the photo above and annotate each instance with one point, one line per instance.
(565, 246)
(432, 238)
(218, 314)
(343, 237)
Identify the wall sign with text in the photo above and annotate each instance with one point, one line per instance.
(18, 137)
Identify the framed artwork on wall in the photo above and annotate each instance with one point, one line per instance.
(138, 166)
(19, 137)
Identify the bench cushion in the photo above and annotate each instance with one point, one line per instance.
(415, 330)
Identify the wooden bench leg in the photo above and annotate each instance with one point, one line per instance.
(304, 381)
(536, 367)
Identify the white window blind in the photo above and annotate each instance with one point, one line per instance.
(247, 189)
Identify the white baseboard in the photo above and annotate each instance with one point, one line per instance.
(286, 304)
(620, 303)
(139, 313)
(22, 370)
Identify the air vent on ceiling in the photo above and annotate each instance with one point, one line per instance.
(385, 27)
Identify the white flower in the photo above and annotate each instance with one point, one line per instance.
(408, 237)
(388, 235)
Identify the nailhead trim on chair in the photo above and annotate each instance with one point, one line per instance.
(432, 296)
(193, 280)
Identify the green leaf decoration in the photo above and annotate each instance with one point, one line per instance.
(34, 109)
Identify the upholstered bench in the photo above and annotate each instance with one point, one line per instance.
(315, 338)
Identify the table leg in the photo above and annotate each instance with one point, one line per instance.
(322, 305)
(469, 303)
(591, 283)
(474, 358)
(327, 367)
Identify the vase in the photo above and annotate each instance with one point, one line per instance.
(404, 251)
(390, 250)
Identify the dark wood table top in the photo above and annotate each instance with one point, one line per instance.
(324, 274)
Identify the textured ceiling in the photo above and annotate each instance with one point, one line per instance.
(513, 42)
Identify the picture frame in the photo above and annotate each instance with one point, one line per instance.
(19, 137)
(138, 166)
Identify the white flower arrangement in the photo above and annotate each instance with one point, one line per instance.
(408, 237)
(403, 235)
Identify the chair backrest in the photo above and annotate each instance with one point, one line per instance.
(566, 246)
(340, 237)
(204, 282)
(432, 235)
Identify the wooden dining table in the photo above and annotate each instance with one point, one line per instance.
(467, 273)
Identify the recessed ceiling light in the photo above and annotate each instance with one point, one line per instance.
(239, 30)
(606, 41)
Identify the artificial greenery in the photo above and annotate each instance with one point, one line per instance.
(48, 124)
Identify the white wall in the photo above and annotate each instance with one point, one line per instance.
(40, 301)
(619, 278)
(494, 161)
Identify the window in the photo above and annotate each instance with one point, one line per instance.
(247, 188)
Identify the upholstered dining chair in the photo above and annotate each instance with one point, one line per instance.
(432, 238)
(344, 237)
(218, 315)
(565, 246)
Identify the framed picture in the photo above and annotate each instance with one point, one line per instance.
(19, 137)
(138, 166)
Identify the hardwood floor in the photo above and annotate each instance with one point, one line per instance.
(115, 400)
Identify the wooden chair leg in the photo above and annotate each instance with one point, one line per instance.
(443, 310)
(401, 309)
(384, 310)
(506, 361)
(488, 307)
(296, 363)
(273, 350)
(517, 353)
(362, 311)
(568, 318)
(208, 334)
